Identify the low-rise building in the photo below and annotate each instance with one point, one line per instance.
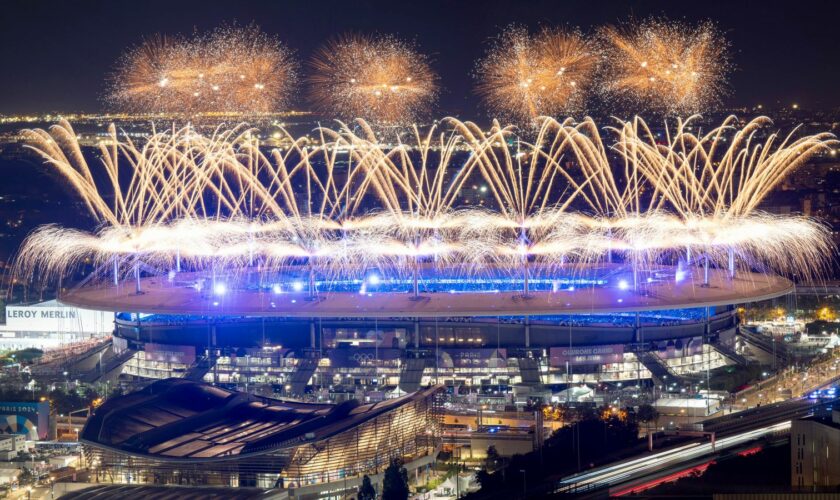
(815, 452)
(11, 445)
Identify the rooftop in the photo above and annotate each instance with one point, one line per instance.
(161, 296)
(176, 419)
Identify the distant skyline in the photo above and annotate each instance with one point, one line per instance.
(56, 55)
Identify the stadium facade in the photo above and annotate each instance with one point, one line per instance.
(482, 336)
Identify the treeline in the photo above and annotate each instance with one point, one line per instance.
(571, 448)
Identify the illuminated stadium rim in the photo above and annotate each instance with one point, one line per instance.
(159, 296)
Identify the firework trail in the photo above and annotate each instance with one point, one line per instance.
(353, 203)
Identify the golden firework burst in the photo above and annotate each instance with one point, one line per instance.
(379, 78)
(230, 70)
(666, 66)
(524, 76)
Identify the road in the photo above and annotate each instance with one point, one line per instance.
(731, 431)
(617, 474)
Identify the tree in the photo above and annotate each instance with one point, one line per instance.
(484, 478)
(646, 413)
(395, 482)
(493, 460)
(366, 491)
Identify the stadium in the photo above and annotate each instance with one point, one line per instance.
(386, 340)
(354, 269)
(465, 257)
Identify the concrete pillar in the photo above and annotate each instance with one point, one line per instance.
(212, 354)
(527, 331)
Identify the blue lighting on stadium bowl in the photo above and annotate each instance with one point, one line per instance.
(219, 289)
(623, 285)
(277, 289)
(297, 286)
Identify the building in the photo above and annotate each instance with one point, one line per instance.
(11, 445)
(30, 419)
(50, 324)
(249, 352)
(182, 432)
(569, 330)
(815, 452)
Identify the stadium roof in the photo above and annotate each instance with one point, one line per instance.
(162, 297)
(159, 492)
(181, 420)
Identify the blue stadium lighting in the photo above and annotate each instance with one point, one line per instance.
(623, 285)
(373, 279)
(277, 289)
(297, 286)
(219, 289)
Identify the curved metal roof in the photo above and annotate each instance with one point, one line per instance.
(177, 419)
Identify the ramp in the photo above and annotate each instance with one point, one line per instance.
(730, 354)
(110, 367)
(411, 374)
(660, 372)
(765, 344)
(198, 370)
(529, 370)
(303, 373)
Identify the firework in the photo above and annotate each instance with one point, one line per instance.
(230, 70)
(523, 77)
(666, 66)
(381, 79)
(394, 208)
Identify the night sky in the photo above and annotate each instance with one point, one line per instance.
(55, 54)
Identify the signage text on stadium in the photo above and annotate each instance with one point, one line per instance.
(45, 314)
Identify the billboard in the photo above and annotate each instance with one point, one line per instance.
(680, 348)
(31, 419)
(168, 353)
(52, 317)
(473, 358)
(586, 355)
(361, 356)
